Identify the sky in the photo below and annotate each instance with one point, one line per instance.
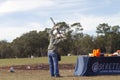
(21, 16)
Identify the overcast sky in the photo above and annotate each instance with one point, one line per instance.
(21, 16)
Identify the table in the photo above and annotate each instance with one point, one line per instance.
(88, 66)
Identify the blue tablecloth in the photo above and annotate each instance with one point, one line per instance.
(87, 66)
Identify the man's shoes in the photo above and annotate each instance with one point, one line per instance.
(57, 76)
(52, 75)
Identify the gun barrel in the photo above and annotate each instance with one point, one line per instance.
(52, 20)
(54, 24)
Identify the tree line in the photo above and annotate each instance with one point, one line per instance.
(35, 43)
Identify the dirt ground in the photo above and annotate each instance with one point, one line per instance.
(39, 67)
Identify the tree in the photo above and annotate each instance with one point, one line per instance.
(109, 33)
(43, 42)
(103, 28)
(100, 43)
(86, 44)
(115, 29)
(6, 50)
(76, 35)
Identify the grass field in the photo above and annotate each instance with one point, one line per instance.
(44, 74)
(25, 61)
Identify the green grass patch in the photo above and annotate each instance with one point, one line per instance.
(26, 61)
(68, 59)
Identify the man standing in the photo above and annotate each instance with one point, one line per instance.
(53, 52)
